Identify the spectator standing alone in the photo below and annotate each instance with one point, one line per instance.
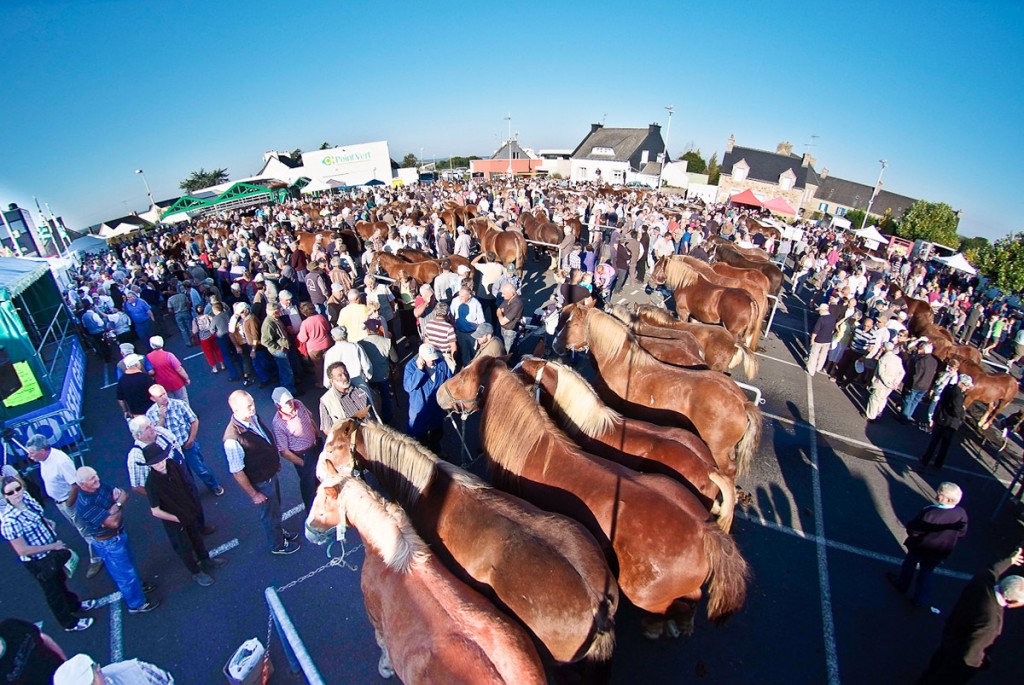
(931, 537)
(821, 339)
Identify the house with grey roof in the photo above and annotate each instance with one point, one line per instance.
(767, 175)
(615, 155)
(837, 196)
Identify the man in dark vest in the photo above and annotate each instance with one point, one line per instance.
(254, 461)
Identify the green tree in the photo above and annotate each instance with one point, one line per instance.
(295, 155)
(932, 221)
(977, 244)
(714, 169)
(410, 161)
(694, 162)
(888, 225)
(1003, 262)
(198, 180)
(325, 145)
(856, 218)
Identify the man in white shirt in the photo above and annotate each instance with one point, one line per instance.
(356, 362)
(61, 483)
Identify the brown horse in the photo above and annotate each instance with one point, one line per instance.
(410, 254)
(753, 253)
(722, 350)
(496, 543)
(641, 387)
(676, 273)
(656, 531)
(509, 246)
(727, 252)
(430, 627)
(641, 446)
(708, 302)
(997, 390)
(368, 230)
(751, 276)
(350, 240)
(424, 272)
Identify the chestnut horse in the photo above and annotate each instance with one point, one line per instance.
(351, 241)
(496, 543)
(997, 390)
(641, 446)
(413, 255)
(708, 302)
(728, 252)
(675, 272)
(638, 385)
(369, 230)
(751, 276)
(509, 246)
(430, 627)
(722, 350)
(655, 531)
(424, 272)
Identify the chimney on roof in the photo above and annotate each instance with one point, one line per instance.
(595, 127)
(729, 143)
(808, 160)
(654, 128)
(824, 174)
(784, 148)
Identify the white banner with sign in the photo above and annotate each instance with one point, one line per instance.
(352, 164)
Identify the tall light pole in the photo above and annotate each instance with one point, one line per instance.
(509, 143)
(878, 189)
(664, 154)
(152, 202)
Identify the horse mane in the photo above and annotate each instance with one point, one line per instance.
(621, 313)
(408, 467)
(607, 336)
(578, 403)
(384, 526)
(512, 430)
(679, 274)
(657, 315)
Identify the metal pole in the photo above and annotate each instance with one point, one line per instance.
(664, 154)
(295, 650)
(152, 202)
(509, 120)
(878, 189)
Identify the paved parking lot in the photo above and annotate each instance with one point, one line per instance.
(820, 527)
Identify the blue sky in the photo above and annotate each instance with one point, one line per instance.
(95, 90)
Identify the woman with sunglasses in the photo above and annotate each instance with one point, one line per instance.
(44, 556)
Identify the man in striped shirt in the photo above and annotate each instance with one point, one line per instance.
(297, 440)
(438, 332)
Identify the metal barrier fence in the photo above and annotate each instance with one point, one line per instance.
(758, 399)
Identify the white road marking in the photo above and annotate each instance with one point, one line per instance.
(116, 633)
(292, 512)
(827, 617)
(781, 361)
(109, 599)
(790, 328)
(192, 356)
(229, 545)
(832, 544)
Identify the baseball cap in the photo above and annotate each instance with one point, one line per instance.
(132, 360)
(463, 269)
(427, 352)
(156, 341)
(482, 330)
(281, 395)
(78, 670)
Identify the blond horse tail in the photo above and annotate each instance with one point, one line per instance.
(727, 508)
(728, 574)
(751, 364)
(747, 445)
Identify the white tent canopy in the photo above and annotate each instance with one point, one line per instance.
(319, 185)
(958, 262)
(872, 233)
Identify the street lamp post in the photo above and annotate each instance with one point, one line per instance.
(878, 187)
(152, 202)
(509, 143)
(664, 154)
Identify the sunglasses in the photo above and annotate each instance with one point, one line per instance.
(15, 491)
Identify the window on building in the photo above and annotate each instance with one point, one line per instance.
(822, 206)
(607, 151)
(739, 172)
(840, 211)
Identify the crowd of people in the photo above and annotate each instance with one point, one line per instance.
(328, 338)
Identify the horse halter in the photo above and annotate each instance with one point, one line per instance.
(462, 407)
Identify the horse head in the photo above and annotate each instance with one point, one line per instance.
(461, 394)
(658, 276)
(326, 519)
(571, 334)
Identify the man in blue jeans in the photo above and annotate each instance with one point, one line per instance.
(100, 508)
(177, 417)
(254, 462)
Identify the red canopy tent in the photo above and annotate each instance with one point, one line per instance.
(746, 198)
(780, 206)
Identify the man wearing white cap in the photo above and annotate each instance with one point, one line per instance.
(423, 376)
(298, 441)
(167, 370)
(82, 670)
(887, 378)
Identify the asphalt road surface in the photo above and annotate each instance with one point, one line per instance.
(820, 526)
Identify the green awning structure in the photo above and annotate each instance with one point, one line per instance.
(16, 275)
(240, 194)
